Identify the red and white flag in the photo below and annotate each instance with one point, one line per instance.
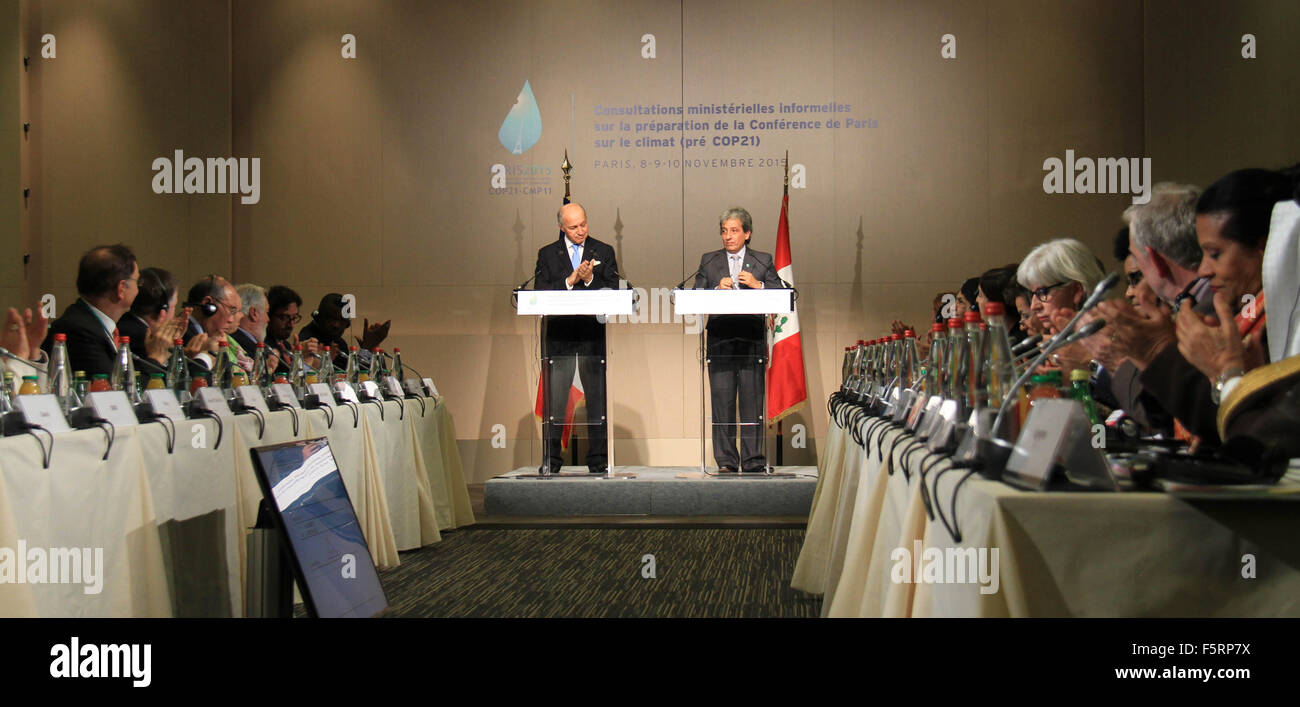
(577, 398)
(787, 389)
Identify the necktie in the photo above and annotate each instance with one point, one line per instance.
(117, 338)
(574, 257)
(735, 269)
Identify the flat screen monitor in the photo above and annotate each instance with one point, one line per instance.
(331, 562)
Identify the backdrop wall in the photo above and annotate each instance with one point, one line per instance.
(382, 175)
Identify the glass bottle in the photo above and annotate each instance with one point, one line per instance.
(30, 386)
(123, 376)
(99, 383)
(934, 372)
(1081, 390)
(259, 365)
(81, 386)
(60, 376)
(912, 371)
(325, 371)
(956, 359)
(353, 372)
(974, 348)
(297, 371)
(221, 365)
(399, 371)
(156, 382)
(178, 370)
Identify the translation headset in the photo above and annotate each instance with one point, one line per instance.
(207, 309)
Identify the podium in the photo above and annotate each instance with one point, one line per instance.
(578, 350)
(734, 360)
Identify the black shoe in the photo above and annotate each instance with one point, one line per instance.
(603, 468)
(756, 470)
(726, 470)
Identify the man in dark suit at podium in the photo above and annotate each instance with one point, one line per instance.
(575, 262)
(737, 346)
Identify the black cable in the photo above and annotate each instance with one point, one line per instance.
(261, 420)
(110, 434)
(168, 426)
(401, 409)
(419, 400)
(30, 428)
(220, 426)
(880, 443)
(953, 530)
(356, 414)
(925, 492)
(381, 407)
(907, 451)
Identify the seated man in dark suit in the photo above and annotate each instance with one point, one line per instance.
(214, 308)
(328, 324)
(153, 312)
(575, 262)
(252, 326)
(737, 346)
(282, 305)
(107, 282)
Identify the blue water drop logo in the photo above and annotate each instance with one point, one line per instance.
(522, 127)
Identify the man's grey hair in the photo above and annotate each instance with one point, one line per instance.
(1167, 224)
(250, 296)
(559, 220)
(746, 223)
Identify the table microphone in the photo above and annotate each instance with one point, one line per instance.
(1026, 345)
(6, 353)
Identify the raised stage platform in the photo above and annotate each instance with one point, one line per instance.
(655, 491)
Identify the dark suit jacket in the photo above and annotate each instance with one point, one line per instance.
(714, 267)
(246, 342)
(90, 348)
(575, 334)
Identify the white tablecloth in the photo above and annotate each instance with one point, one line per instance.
(172, 527)
(1058, 554)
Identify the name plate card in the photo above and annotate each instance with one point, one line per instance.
(284, 394)
(213, 400)
(42, 410)
(164, 403)
(113, 405)
(250, 396)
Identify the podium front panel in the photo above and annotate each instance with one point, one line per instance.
(765, 301)
(569, 302)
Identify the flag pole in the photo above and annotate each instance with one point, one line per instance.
(780, 438)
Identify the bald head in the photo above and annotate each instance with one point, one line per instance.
(573, 222)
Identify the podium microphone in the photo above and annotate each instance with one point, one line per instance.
(6, 353)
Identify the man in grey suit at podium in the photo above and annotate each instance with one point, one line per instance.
(737, 346)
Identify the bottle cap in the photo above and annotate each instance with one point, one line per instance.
(97, 376)
(909, 334)
(60, 337)
(896, 337)
(1048, 377)
(124, 339)
(955, 323)
(221, 344)
(31, 378)
(155, 375)
(1079, 374)
(397, 349)
(984, 326)
(297, 347)
(261, 345)
(994, 309)
(938, 327)
(972, 316)
(78, 374)
(178, 342)
(353, 348)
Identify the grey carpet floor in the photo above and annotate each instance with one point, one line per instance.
(598, 572)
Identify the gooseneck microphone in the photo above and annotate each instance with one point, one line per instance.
(6, 353)
(1026, 345)
(697, 272)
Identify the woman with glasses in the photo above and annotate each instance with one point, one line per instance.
(1059, 275)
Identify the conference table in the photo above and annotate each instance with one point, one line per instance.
(874, 549)
(164, 532)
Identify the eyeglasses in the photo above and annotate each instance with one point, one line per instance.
(285, 317)
(228, 307)
(1134, 278)
(1042, 293)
